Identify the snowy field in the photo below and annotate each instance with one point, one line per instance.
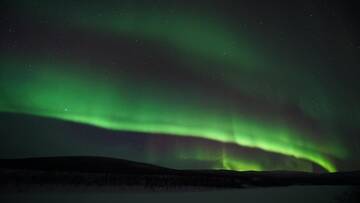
(301, 194)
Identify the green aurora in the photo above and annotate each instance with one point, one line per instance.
(70, 90)
(48, 90)
(216, 48)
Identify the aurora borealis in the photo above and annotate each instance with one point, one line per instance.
(177, 85)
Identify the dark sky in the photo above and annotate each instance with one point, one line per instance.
(240, 85)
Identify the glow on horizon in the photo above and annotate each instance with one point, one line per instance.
(77, 97)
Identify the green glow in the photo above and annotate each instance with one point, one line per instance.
(214, 47)
(223, 158)
(69, 93)
(195, 35)
(239, 166)
(190, 34)
(204, 39)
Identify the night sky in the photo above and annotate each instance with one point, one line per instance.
(239, 85)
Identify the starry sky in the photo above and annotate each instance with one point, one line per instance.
(237, 85)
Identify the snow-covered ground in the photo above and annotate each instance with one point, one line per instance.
(291, 194)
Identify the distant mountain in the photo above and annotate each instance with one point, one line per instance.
(88, 164)
(101, 171)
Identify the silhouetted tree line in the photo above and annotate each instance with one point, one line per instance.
(111, 179)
